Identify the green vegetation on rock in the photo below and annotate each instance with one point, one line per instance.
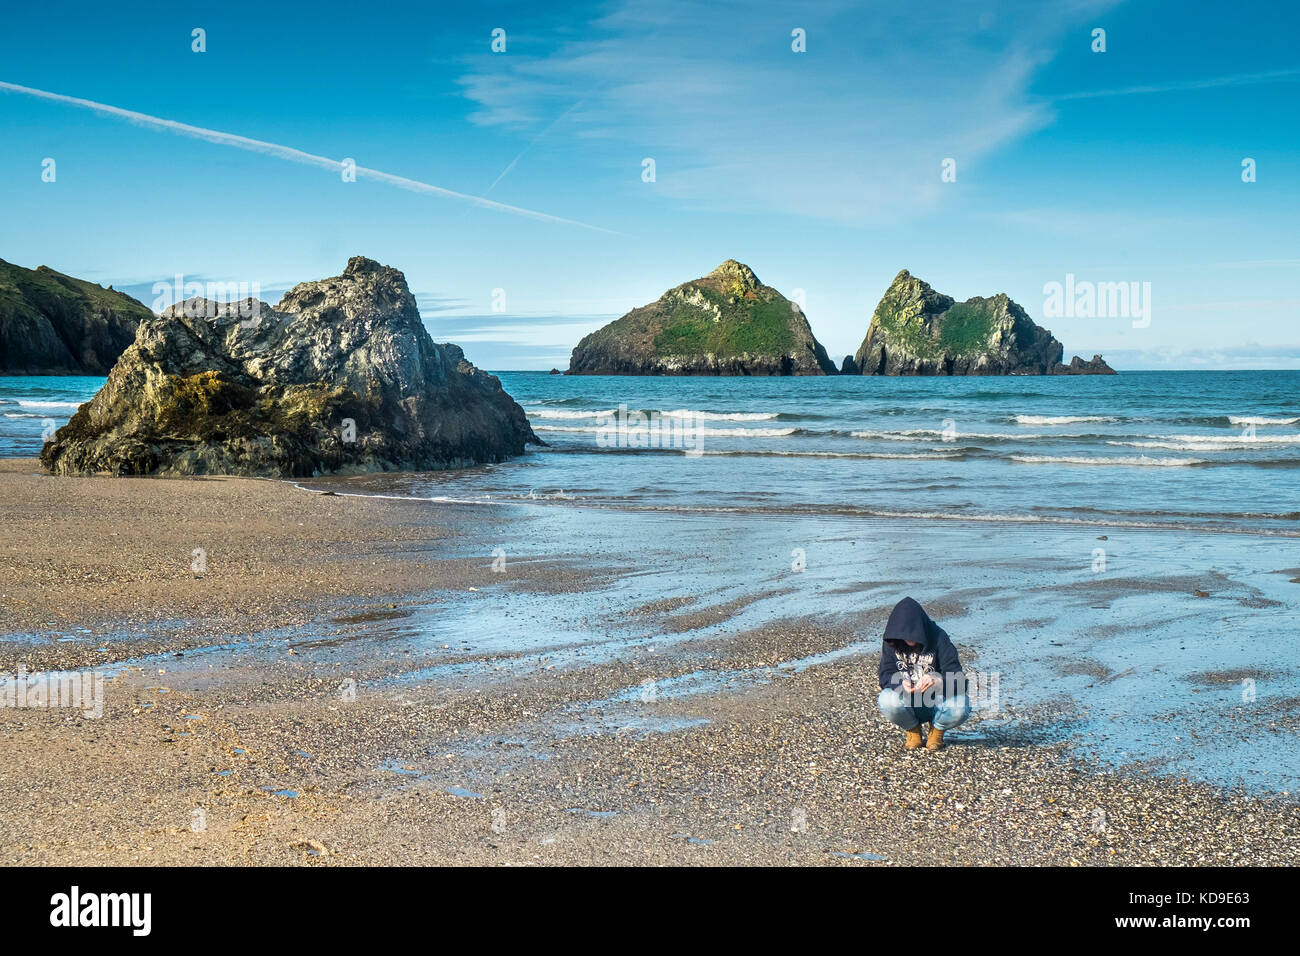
(918, 331)
(966, 328)
(749, 324)
(726, 323)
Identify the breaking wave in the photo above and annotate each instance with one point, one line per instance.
(1138, 461)
(1060, 419)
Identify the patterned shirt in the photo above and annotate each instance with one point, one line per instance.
(914, 663)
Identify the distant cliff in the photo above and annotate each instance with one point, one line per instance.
(726, 323)
(917, 331)
(52, 324)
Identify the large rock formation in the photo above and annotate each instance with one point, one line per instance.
(52, 324)
(341, 376)
(727, 323)
(917, 331)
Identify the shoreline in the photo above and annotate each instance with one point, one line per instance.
(1012, 521)
(740, 756)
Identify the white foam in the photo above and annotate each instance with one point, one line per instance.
(1193, 442)
(569, 413)
(673, 429)
(1060, 419)
(33, 404)
(686, 413)
(929, 434)
(746, 432)
(1179, 446)
(722, 416)
(926, 455)
(1258, 420)
(893, 436)
(1140, 460)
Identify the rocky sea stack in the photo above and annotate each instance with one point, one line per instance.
(52, 324)
(341, 376)
(917, 331)
(727, 323)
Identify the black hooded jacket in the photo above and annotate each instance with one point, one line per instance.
(909, 622)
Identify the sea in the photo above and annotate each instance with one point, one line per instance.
(1122, 550)
(1195, 450)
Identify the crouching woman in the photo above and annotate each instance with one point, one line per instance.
(921, 680)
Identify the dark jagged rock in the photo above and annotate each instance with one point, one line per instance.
(917, 331)
(1094, 366)
(341, 376)
(52, 324)
(554, 371)
(849, 366)
(727, 323)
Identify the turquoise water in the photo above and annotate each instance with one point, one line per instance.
(1198, 450)
(32, 405)
(1183, 449)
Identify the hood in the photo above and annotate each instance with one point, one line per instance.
(908, 622)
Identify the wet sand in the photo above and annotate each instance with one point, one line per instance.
(683, 733)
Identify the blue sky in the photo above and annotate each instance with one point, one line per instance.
(821, 169)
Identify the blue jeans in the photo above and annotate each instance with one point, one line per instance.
(899, 708)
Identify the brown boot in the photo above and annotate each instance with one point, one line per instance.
(935, 740)
(913, 738)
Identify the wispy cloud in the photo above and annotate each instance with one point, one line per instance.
(431, 302)
(1178, 86)
(498, 341)
(854, 129)
(540, 331)
(531, 143)
(288, 153)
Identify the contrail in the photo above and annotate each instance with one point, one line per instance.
(289, 153)
(533, 142)
(1241, 79)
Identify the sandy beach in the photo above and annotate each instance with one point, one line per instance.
(317, 697)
